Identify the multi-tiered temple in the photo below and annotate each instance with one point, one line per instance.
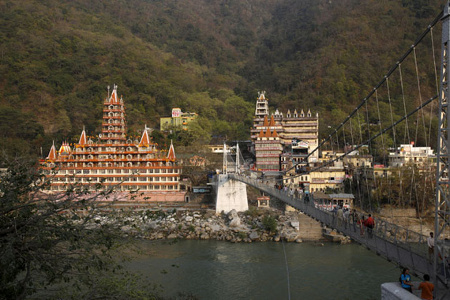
(114, 160)
(281, 140)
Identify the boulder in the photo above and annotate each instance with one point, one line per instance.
(172, 236)
(215, 227)
(233, 214)
(295, 224)
(254, 235)
(152, 225)
(235, 222)
(204, 236)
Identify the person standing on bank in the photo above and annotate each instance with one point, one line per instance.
(405, 279)
(430, 242)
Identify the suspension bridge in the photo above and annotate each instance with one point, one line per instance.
(408, 106)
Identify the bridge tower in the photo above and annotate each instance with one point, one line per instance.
(442, 202)
(230, 194)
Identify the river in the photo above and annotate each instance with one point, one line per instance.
(222, 270)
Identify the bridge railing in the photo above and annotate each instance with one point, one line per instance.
(401, 245)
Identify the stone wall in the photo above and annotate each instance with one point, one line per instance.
(310, 229)
(393, 291)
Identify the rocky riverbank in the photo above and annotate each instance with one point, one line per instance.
(251, 226)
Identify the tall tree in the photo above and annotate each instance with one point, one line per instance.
(49, 238)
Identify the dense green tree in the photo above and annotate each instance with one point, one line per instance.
(48, 238)
(209, 57)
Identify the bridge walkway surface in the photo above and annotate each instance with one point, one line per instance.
(399, 245)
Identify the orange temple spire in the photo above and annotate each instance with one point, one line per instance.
(261, 133)
(171, 154)
(82, 141)
(272, 121)
(275, 134)
(52, 153)
(145, 139)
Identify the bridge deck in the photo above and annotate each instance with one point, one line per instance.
(394, 243)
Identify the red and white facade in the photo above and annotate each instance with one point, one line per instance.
(112, 159)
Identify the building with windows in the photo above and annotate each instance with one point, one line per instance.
(268, 150)
(178, 119)
(297, 132)
(407, 153)
(113, 160)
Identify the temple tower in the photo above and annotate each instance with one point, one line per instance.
(114, 126)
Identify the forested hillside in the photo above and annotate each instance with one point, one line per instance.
(57, 58)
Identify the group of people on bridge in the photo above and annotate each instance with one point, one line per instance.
(344, 217)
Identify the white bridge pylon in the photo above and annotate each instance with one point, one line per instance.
(230, 194)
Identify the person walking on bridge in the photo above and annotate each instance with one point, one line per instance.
(430, 243)
(346, 217)
(355, 219)
(340, 216)
(370, 224)
(427, 288)
(361, 223)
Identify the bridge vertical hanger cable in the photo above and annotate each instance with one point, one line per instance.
(359, 175)
(433, 52)
(414, 189)
(369, 147)
(420, 208)
(337, 141)
(392, 115)
(351, 132)
(436, 80)
(406, 137)
(353, 143)
(392, 121)
(380, 188)
(343, 137)
(422, 115)
(287, 271)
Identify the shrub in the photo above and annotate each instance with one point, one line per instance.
(270, 223)
(242, 235)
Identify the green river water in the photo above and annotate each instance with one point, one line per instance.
(223, 270)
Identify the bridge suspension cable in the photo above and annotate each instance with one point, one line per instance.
(385, 78)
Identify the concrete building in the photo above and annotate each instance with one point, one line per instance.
(178, 119)
(297, 132)
(268, 150)
(407, 153)
(327, 178)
